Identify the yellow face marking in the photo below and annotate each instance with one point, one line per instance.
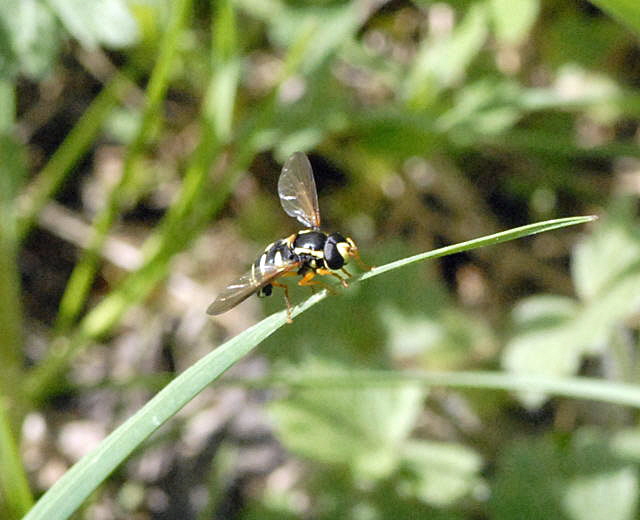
(344, 248)
(263, 261)
(277, 259)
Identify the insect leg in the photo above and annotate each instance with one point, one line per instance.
(307, 280)
(333, 273)
(286, 298)
(361, 264)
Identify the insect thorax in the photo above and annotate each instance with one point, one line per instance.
(309, 245)
(317, 250)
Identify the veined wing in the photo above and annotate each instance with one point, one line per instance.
(247, 284)
(297, 191)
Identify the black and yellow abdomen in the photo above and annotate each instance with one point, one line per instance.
(276, 254)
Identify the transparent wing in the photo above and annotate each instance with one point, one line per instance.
(247, 284)
(297, 190)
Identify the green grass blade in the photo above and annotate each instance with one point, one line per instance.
(84, 477)
(13, 478)
(497, 238)
(11, 323)
(68, 493)
(16, 495)
(626, 12)
(159, 250)
(572, 387)
(531, 141)
(72, 149)
(194, 209)
(79, 284)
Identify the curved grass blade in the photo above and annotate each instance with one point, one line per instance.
(572, 387)
(68, 493)
(489, 240)
(84, 272)
(70, 152)
(626, 12)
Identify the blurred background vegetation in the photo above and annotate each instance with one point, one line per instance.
(140, 146)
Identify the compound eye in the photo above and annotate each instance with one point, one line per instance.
(332, 254)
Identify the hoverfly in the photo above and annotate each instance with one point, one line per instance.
(307, 253)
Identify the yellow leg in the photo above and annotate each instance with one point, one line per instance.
(361, 263)
(286, 299)
(307, 280)
(325, 272)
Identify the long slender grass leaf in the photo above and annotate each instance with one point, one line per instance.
(83, 478)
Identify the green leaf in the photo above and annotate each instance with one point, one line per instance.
(626, 12)
(544, 342)
(395, 133)
(542, 311)
(331, 25)
(580, 480)
(220, 101)
(528, 482)
(439, 334)
(513, 19)
(120, 194)
(607, 253)
(626, 444)
(440, 63)
(17, 496)
(68, 493)
(99, 22)
(439, 473)
(486, 107)
(29, 38)
(496, 238)
(554, 334)
(45, 185)
(572, 387)
(12, 172)
(611, 494)
(361, 427)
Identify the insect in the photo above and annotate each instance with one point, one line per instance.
(307, 253)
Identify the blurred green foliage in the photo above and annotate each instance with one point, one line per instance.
(161, 125)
